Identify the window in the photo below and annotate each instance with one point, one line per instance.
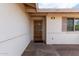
(76, 24)
(71, 24)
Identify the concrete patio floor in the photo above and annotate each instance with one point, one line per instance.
(41, 49)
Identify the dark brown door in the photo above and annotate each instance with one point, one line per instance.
(38, 31)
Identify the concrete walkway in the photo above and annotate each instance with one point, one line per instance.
(41, 49)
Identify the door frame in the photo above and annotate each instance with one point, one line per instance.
(44, 24)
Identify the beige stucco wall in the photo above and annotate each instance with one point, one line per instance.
(54, 30)
(14, 29)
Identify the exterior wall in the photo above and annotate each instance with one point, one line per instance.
(55, 35)
(14, 30)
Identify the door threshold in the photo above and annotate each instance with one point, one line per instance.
(38, 42)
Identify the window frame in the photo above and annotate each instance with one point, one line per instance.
(74, 30)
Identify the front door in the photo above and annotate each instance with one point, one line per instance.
(38, 34)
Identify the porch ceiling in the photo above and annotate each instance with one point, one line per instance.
(38, 14)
